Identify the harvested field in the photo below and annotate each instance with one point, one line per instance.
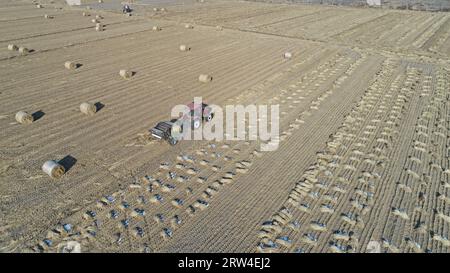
(362, 164)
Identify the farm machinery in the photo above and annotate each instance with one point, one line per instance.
(173, 130)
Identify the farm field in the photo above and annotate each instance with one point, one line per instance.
(363, 162)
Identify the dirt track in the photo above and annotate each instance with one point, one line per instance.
(365, 119)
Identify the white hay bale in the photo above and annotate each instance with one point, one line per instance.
(155, 9)
(163, 9)
(46, 16)
(95, 21)
(38, 6)
(13, 47)
(53, 169)
(98, 17)
(188, 26)
(156, 28)
(204, 78)
(126, 74)
(100, 1)
(70, 65)
(287, 55)
(23, 50)
(88, 108)
(219, 28)
(24, 118)
(184, 48)
(85, 14)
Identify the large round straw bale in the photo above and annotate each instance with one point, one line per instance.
(287, 55)
(88, 108)
(163, 9)
(126, 74)
(219, 28)
(38, 6)
(85, 14)
(188, 26)
(95, 21)
(24, 118)
(100, 1)
(184, 48)
(70, 65)
(156, 28)
(98, 17)
(46, 16)
(155, 9)
(204, 78)
(23, 50)
(13, 47)
(53, 169)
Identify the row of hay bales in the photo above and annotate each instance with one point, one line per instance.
(22, 50)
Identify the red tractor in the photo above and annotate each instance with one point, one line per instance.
(197, 114)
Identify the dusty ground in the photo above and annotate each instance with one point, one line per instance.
(365, 119)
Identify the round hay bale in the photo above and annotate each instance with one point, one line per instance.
(70, 65)
(287, 55)
(13, 47)
(204, 78)
(23, 50)
(88, 108)
(95, 21)
(98, 17)
(24, 118)
(184, 48)
(156, 28)
(38, 6)
(46, 16)
(163, 9)
(126, 74)
(53, 169)
(100, 1)
(85, 14)
(219, 28)
(155, 9)
(188, 26)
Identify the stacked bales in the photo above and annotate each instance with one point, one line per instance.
(99, 27)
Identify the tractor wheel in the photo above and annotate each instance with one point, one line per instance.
(173, 141)
(209, 117)
(196, 124)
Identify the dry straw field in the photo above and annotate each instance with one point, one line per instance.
(363, 163)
